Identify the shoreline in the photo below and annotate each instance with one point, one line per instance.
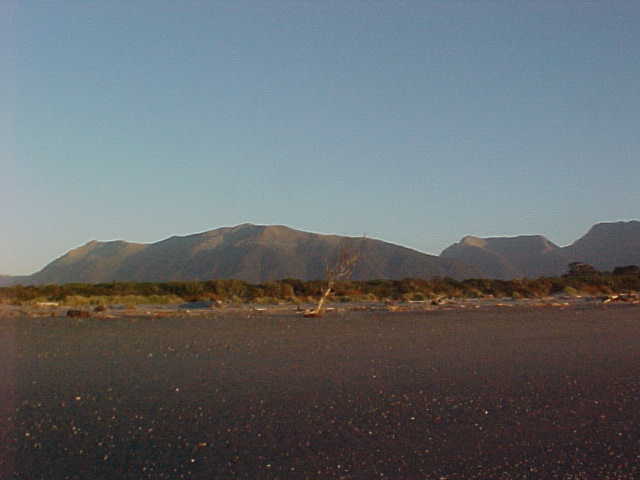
(50, 309)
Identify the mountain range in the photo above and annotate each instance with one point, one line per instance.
(509, 257)
(261, 253)
(605, 246)
(253, 253)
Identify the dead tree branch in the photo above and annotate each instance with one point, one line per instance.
(340, 268)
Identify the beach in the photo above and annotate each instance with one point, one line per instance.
(504, 393)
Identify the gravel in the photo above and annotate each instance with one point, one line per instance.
(488, 394)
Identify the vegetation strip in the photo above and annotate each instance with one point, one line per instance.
(297, 291)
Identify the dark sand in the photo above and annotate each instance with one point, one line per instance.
(488, 394)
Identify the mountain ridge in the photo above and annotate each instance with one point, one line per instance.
(253, 253)
(508, 257)
(606, 245)
(260, 253)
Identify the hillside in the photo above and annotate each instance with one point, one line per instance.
(253, 253)
(509, 257)
(608, 245)
(605, 246)
(260, 253)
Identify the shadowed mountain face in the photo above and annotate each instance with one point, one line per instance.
(608, 245)
(509, 257)
(605, 246)
(253, 253)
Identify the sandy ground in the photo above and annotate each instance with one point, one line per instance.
(495, 393)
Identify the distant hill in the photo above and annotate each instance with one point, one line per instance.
(605, 246)
(253, 253)
(261, 253)
(608, 245)
(8, 280)
(509, 257)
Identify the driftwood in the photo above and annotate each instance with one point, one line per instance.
(621, 297)
(340, 269)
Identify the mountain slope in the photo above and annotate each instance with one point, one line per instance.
(93, 262)
(254, 253)
(258, 253)
(608, 245)
(605, 246)
(509, 257)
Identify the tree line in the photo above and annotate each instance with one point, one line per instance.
(580, 279)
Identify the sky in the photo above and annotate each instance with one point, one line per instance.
(414, 122)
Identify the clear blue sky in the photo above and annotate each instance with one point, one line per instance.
(416, 122)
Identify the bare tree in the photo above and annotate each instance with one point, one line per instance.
(341, 267)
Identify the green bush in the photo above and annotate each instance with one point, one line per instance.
(572, 292)
(292, 290)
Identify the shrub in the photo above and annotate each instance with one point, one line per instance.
(572, 292)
